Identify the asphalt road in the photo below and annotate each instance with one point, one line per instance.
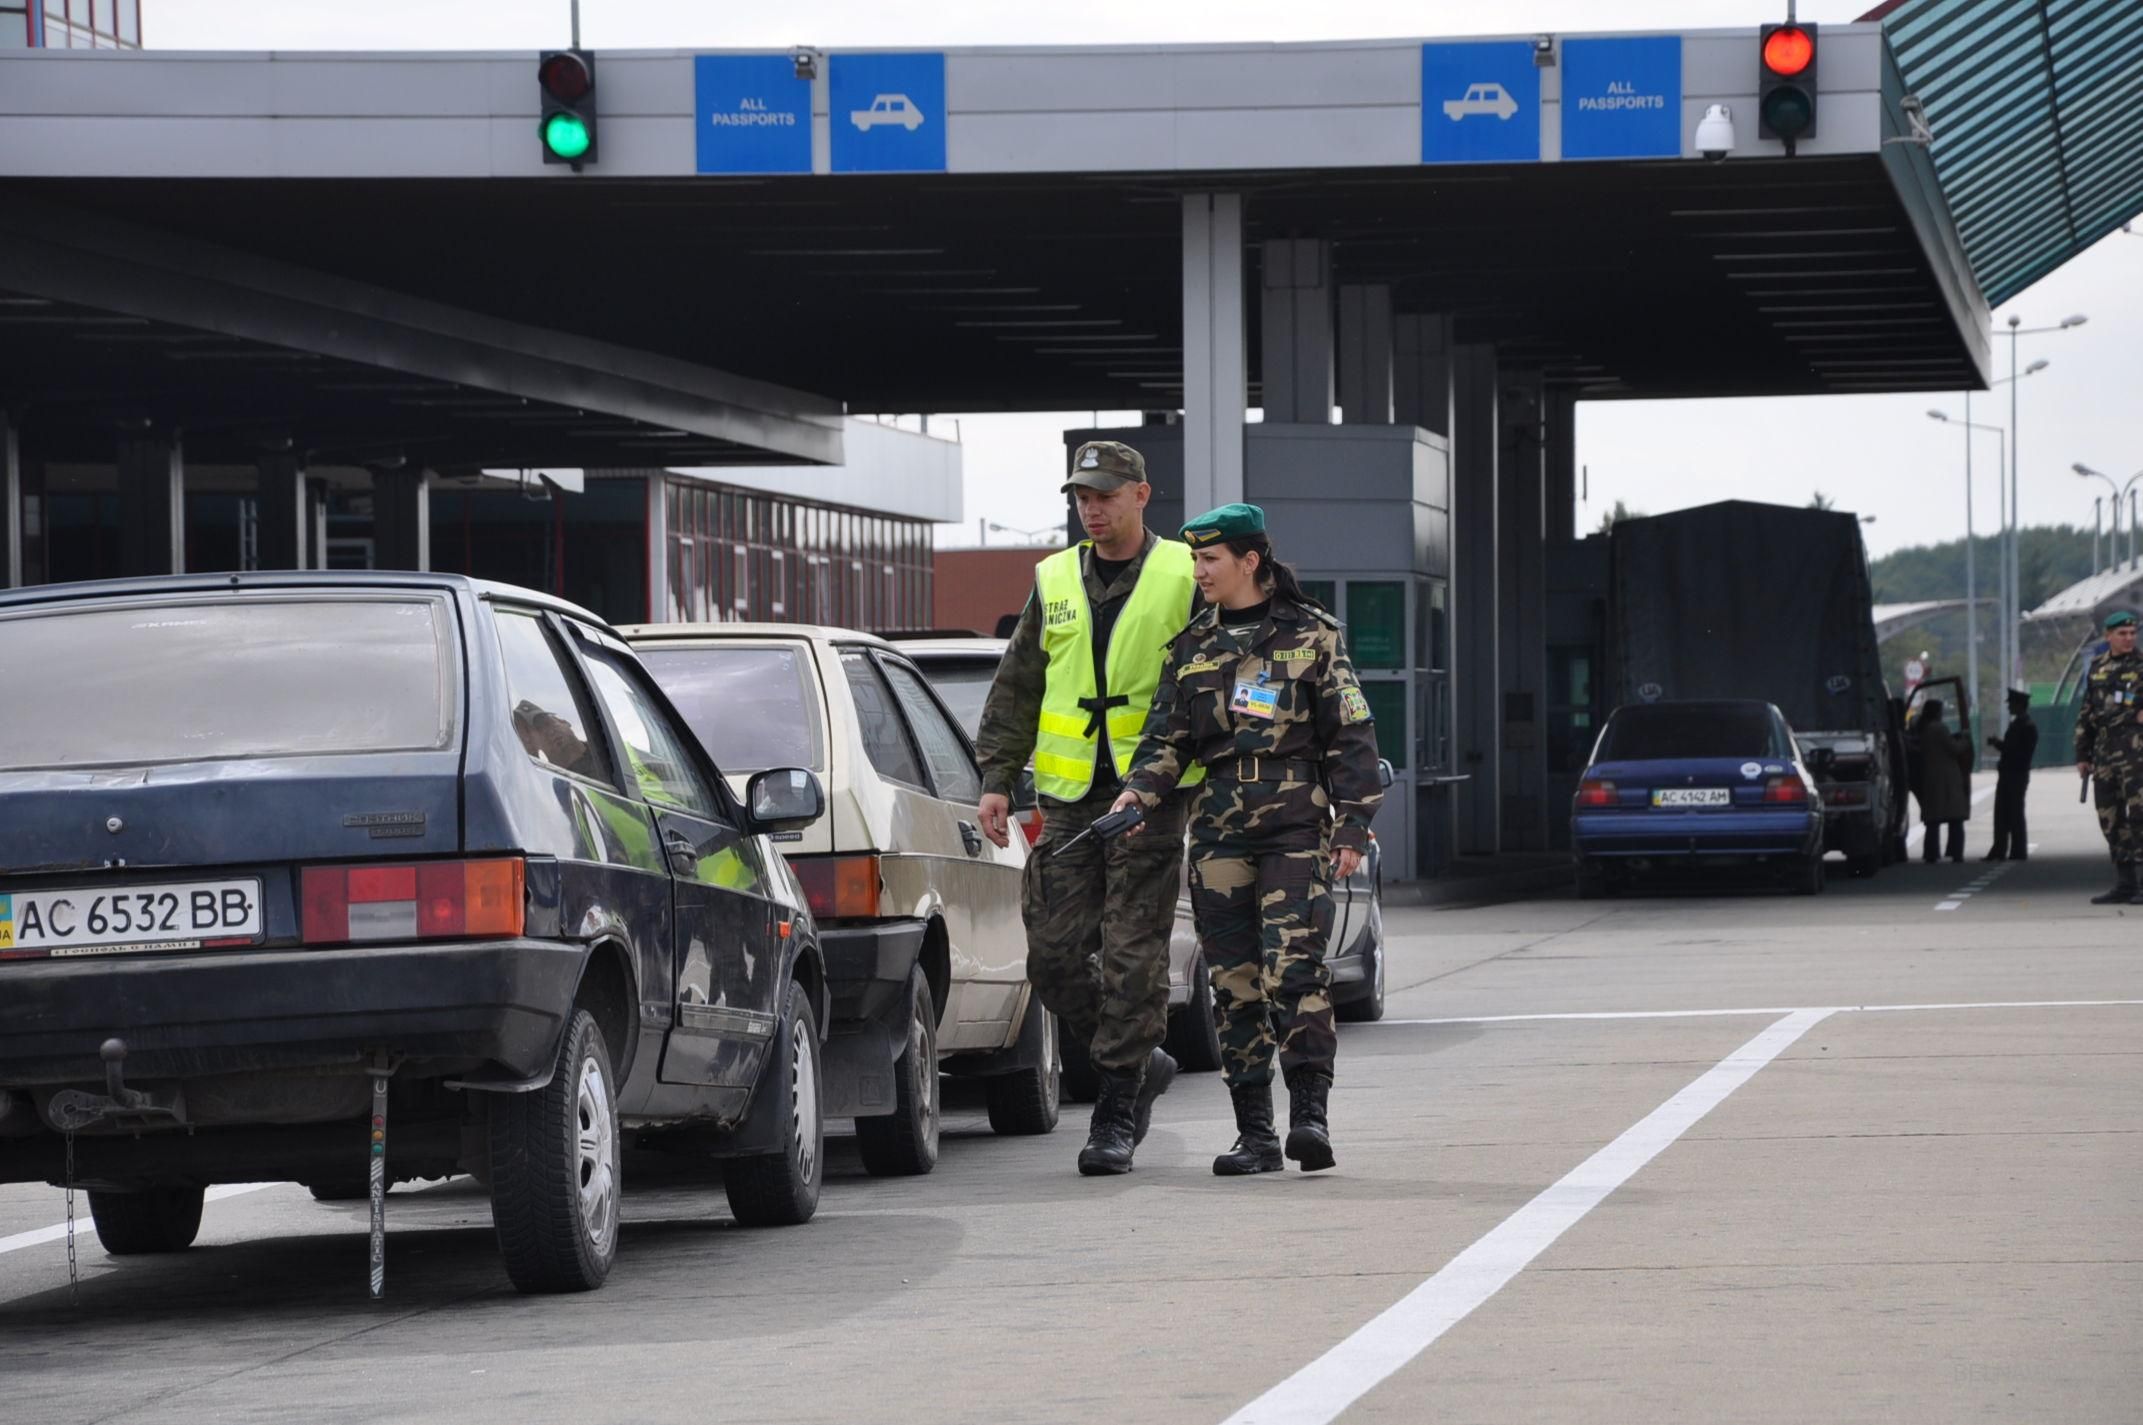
(1709, 1155)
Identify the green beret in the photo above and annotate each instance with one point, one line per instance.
(2120, 618)
(1227, 522)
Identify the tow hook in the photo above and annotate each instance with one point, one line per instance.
(73, 1110)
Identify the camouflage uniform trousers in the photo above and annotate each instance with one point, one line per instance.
(2117, 793)
(1098, 921)
(1263, 920)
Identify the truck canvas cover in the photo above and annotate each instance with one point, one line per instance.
(1742, 600)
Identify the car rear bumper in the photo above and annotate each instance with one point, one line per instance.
(1655, 833)
(867, 968)
(459, 1006)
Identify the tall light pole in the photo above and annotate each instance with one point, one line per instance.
(2120, 492)
(1971, 576)
(2014, 614)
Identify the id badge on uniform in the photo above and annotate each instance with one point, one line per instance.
(1256, 700)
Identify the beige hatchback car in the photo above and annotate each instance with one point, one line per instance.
(918, 914)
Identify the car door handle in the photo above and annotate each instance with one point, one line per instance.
(971, 838)
(684, 856)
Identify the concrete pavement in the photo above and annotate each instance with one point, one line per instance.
(1901, 1214)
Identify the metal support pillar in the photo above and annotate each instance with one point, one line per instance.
(1522, 597)
(1561, 414)
(283, 513)
(1215, 381)
(152, 504)
(10, 504)
(316, 524)
(401, 519)
(1365, 354)
(1296, 352)
(1476, 645)
(1421, 372)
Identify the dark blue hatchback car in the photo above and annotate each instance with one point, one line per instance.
(1696, 783)
(286, 855)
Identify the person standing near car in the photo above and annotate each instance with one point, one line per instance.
(2109, 752)
(2014, 751)
(1945, 782)
(1072, 693)
(1260, 696)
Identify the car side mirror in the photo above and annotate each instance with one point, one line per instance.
(1384, 773)
(784, 799)
(1023, 794)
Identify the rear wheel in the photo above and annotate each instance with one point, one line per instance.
(158, 1219)
(782, 1189)
(1025, 1102)
(555, 1177)
(1193, 1038)
(904, 1142)
(1591, 879)
(1806, 878)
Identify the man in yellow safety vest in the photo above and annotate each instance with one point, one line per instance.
(1072, 694)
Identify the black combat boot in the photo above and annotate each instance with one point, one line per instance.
(1108, 1142)
(1160, 1073)
(1309, 1141)
(1257, 1146)
(2124, 886)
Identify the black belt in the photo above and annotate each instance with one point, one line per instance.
(1097, 713)
(1266, 769)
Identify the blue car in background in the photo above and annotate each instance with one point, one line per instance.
(1687, 784)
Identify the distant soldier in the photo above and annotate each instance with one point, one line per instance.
(1260, 697)
(2109, 751)
(1072, 693)
(2015, 748)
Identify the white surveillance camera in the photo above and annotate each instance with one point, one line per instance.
(806, 60)
(1715, 133)
(1544, 51)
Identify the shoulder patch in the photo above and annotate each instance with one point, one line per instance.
(1353, 707)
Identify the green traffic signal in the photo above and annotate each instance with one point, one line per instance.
(566, 135)
(1787, 112)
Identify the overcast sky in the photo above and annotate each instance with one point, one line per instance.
(1880, 455)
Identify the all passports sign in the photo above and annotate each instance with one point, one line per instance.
(754, 114)
(1622, 98)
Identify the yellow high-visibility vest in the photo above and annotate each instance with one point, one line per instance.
(1158, 610)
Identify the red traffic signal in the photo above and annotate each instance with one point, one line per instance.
(565, 76)
(1788, 50)
(1786, 84)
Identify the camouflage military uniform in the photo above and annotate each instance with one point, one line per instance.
(1098, 918)
(1283, 792)
(2109, 737)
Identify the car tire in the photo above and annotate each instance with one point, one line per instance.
(1591, 879)
(1077, 1078)
(1193, 1038)
(1807, 877)
(1025, 1102)
(158, 1219)
(1370, 1007)
(904, 1143)
(556, 1169)
(782, 1189)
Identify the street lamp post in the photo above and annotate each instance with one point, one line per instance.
(1971, 575)
(2013, 649)
(2121, 492)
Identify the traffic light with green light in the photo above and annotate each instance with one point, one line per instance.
(1786, 84)
(567, 128)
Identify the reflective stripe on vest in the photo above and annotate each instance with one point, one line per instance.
(1158, 609)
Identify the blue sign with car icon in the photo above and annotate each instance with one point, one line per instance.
(887, 112)
(1480, 103)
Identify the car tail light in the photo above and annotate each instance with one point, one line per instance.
(1595, 794)
(1786, 789)
(425, 900)
(1846, 796)
(839, 887)
(1031, 823)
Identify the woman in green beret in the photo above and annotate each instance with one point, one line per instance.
(1259, 691)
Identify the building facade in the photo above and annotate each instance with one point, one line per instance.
(70, 24)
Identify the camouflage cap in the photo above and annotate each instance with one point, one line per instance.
(1105, 465)
(2120, 618)
(1228, 522)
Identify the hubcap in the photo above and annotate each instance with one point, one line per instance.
(1052, 1070)
(596, 1156)
(922, 1046)
(804, 1100)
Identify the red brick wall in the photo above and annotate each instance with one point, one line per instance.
(976, 587)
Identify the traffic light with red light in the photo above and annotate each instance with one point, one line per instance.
(567, 128)
(1786, 84)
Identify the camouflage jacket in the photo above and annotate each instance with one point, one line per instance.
(1212, 706)
(1004, 738)
(2108, 735)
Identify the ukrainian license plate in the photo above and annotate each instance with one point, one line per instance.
(108, 922)
(1692, 797)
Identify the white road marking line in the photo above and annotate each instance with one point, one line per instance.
(1325, 1387)
(1730, 1013)
(1986, 880)
(82, 1223)
(1949, 905)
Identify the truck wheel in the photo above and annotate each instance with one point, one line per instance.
(158, 1219)
(904, 1142)
(782, 1189)
(1193, 1038)
(1078, 1079)
(555, 1176)
(1026, 1102)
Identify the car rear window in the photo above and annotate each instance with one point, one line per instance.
(752, 708)
(964, 684)
(207, 681)
(1643, 734)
